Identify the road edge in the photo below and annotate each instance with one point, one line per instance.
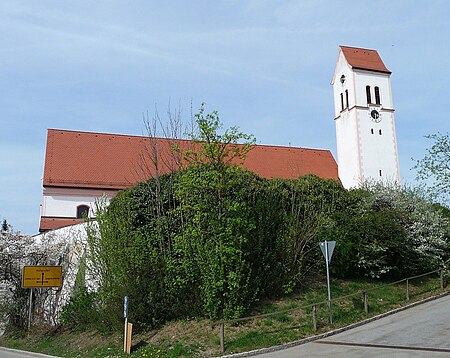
(33, 354)
(333, 332)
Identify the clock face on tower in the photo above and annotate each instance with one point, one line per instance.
(374, 114)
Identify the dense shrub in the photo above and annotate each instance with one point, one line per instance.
(213, 238)
(228, 239)
(306, 207)
(81, 311)
(195, 250)
(388, 231)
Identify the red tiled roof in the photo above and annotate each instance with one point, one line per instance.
(289, 162)
(364, 59)
(111, 161)
(56, 223)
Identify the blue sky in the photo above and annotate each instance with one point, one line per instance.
(266, 66)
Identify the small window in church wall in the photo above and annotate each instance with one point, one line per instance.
(379, 131)
(369, 98)
(377, 95)
(371, 130)
(380, 172)
(346, 98)
(82, 211)
(342, 101)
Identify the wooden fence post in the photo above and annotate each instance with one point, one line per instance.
(222, 337)
(407, 289)
(314, 317)
(366, 304)
(129, 334)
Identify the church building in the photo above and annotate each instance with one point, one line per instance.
(81, 167)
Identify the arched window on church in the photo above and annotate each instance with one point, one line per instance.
(346, 98)
(342, 101)
(369, 98)
(82, 211)
(377, 95)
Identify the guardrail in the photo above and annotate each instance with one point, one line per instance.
(361, 303)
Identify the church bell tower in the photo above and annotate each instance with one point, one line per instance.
(364, 116)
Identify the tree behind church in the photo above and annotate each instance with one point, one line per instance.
(435, 166)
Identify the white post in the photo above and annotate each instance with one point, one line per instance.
(328, 282)
(29, 312)
(125, 334)
(125, 315)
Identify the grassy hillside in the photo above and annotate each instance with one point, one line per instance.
(200, 338)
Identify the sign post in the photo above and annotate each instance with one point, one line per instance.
(40, 277)
(29, 310)
(327, 248)
(125, 315)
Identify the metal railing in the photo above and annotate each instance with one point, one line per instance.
(364, 294)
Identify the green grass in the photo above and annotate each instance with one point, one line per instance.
(200, 338)
(66, 344)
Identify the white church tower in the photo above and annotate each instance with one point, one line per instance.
(364, 115)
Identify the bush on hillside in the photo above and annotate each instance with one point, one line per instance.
(388, 231)
(210, 240)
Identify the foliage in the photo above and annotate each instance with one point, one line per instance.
(306, 206)
(202, 260)
(5, 226)
(436, 165)
(128, 263)
(388, 230)
(186, 235)
(212, 239)
(151, 351)
(225, 237)
(80, 313)
(215, 148)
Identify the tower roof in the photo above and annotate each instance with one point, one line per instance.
(364, 59)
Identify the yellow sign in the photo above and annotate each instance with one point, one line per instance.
(41, 276)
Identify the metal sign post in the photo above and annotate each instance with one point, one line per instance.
(327, 248)
(30, 307)
(125, 315)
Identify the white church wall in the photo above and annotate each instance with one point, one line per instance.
(381, 80)
(348, 150)
(346, 126)
(342, 68)
(63, 202)
(378, 150)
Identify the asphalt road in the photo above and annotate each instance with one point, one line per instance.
(12, 353)
(420, 331)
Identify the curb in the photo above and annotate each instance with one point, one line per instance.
(332, 333)
(32, 354)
